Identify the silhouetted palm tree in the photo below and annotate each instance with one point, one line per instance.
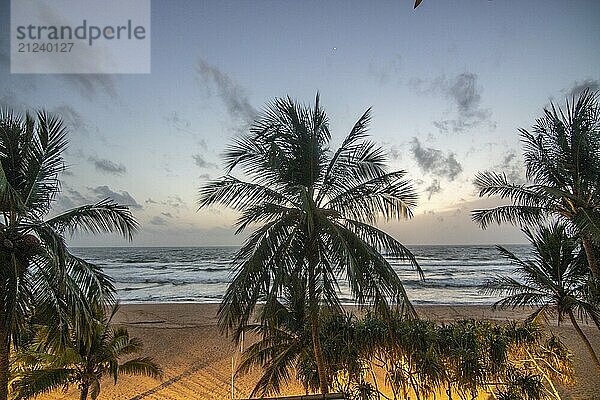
(284, 346)
(562, 160)
(315, 209)
(38, 274)
(82, 362)
(554, 280)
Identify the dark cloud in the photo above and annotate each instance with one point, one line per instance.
(77, 196)
(121, 197)
(394, 151)
(91, 85)
(202, 163)
(180, 124)
(464, 94)
(512, 166)
(434, 161)
(433, 188)
(158, 221)
(578, 87)
(72, 119)
(174, 203)
(233, 95)
(70, 198)
(108, 167)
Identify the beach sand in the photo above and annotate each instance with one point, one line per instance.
(197, 359)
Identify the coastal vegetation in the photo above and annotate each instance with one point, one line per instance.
(397, 358)
(555, 280)
(41, 282)
(44, 366)
(562, 165)
(314, 209)
(562, 162)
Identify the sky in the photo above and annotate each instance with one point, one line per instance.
(450, 84)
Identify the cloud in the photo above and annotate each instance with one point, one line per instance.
(202, 163)
(72, 119)
(70, 198)
(383, 71)
(465, 96)
(206, 177)
(167, 214)
(233, 95)
(180, 124)
(121, 197)
(158, 221)
(512, 166)
(433, 188)
(434, 161)
(174, 202)
(578, 87)
(108, 167)
(90, 85)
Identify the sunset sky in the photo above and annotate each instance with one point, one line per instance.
(450, 84)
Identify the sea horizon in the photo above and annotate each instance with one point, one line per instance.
(201, 274)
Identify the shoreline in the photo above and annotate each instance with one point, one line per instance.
(197, 359)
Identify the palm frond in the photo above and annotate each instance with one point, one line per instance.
(389, 195)
(36, 382)
(238, 195)
(141, 366)
(514, 214)
(102, 217)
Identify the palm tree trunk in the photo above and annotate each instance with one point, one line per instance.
(585, 341)
(4, 362)
(591, 257)
(319, 356)
(84, 392)
(316, 337)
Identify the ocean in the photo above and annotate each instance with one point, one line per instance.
(453, 274)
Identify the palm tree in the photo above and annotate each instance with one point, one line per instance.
(562, 160)
(284, 346)
(551, 281)
(83, 361)
(315, 209)
(38, 274)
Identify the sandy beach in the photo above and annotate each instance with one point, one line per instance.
(197, 359)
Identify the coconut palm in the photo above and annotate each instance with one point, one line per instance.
(38, 274)
(552, 281)
(284, 351)
(82, 362)
(284, 346)
(562, 160)
(314, 209)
